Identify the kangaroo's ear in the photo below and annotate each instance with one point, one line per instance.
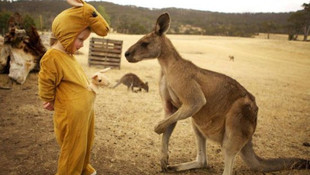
(105, 70)
(75, 3)
(162, 24)
(94, 76)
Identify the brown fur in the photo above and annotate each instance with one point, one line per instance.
(131, 81)
(221, 109)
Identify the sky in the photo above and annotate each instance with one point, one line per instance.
(226, 6)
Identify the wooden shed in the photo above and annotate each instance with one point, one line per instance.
(105, 52)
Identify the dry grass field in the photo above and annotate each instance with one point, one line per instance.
(275, 71)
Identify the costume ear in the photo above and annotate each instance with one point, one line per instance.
(94, 76)
(75, 3)
(162, 24)
(105, 70)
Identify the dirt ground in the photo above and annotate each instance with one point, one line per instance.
(276, 72)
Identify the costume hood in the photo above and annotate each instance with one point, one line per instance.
(68, 24)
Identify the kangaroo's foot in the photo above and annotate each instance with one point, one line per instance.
(164, 163)
(187, 166)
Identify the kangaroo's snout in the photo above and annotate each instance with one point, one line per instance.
(129, 57)
(127, 54)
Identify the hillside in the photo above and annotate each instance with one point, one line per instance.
(138, 20)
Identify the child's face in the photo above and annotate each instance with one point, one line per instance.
(79, 41)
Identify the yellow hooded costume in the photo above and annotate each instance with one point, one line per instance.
(63, 82)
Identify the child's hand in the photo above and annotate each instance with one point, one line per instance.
(48, 105)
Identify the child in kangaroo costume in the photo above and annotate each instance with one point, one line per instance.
(63, 87)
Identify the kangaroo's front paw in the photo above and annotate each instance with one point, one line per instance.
(172, 168)
(160, 128)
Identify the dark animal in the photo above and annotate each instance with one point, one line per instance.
(221, 109)
(131, 81)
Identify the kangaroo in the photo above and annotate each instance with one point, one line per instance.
(231, 58)
(222, 110)
(131, 80)
(99, 80)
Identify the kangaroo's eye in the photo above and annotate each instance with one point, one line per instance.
(94, 14)
(144, 44)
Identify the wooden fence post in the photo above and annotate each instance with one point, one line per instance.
(105, 52)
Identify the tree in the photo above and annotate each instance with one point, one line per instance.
(28, 22)
(295, 25)
(307, 20)
(268, 27)
(4, 17)
(299, 21)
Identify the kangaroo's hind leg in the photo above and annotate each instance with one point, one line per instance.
(239, 128)
(232, 145)
(230, 149)
(130, 86)
(201, 159)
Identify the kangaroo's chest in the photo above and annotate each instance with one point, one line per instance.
(167, 92)
(174, 98)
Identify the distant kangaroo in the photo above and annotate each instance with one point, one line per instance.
(231, 58)
(131, 80)
(221, 109)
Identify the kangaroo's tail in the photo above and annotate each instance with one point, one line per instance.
(267, 165)
(118, 83)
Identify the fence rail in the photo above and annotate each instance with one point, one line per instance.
(105, 52)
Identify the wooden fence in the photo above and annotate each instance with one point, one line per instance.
(105, 52)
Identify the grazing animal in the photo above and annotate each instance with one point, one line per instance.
(221, 109)
(231, 58)
(131, 81)
(99, 80)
